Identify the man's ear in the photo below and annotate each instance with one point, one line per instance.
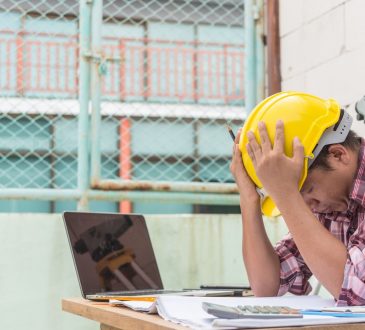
(339, 154)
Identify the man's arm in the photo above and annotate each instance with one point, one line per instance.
(261, 261)
(324, 254)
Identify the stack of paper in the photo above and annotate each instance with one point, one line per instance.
(188, 311)
(147, 303)
(139, 306)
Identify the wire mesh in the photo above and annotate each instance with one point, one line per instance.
(38, 90)
(176, 76)
(172, 76)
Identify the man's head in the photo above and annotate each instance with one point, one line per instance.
(315, 121)
(331, 175)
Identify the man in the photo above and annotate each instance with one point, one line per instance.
(325, 217)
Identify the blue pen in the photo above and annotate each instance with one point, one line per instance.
(334, 314)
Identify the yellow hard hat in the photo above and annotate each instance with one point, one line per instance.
(315, 121)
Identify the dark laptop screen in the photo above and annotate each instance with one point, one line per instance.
(112, 252)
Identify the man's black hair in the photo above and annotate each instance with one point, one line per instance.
(352, 142)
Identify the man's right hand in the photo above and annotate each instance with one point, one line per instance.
(246, 187)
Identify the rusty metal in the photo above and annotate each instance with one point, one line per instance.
(273, 47)
(222, 188)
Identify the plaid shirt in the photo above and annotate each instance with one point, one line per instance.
(347, 226)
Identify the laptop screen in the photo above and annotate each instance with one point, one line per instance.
(112, 252)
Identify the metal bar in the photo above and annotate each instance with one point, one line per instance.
(273, 47)
(260, 51)
(250, 58)
(116, 196)
(84, 93)
(97, 21)
(225, 60)
(165, 197)
(195, 68)
(40, 194)
(19, 63)
(154, 40)
(122, 70)
(125, 165)
(146, 67)
(222, 188)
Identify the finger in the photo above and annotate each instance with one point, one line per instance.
(251, 153)
(279, 137)
(264, 137)
(237, 139)
(298, 151)
(236, 157)
(237, 149)
(254, 145)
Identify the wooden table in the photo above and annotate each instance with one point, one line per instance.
(116, 318)
(119, 318)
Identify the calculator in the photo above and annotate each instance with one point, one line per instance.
(251, 311)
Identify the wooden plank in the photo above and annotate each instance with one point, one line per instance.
(116, 317)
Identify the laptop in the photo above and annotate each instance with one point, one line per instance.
(113, 256)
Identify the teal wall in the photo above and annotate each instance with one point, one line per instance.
(37, 269)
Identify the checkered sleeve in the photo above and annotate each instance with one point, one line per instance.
(353, 286)
(294, 273)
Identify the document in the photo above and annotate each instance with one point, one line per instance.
(139, 306)
(148, 303)
(188, 311)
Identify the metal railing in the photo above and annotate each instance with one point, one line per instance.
(138, 69)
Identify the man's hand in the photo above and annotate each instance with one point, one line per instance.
(278, 173)
(245, 185)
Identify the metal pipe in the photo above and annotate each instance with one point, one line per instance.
(250, 58)
(84, 92)
(260, 51)
(125, 165)
(40, 194)
(96, 67)
(165, 197)
(145, 196)
(221, 188)
(273, 47)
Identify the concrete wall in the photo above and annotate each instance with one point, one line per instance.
(36, 268)
(323, 49)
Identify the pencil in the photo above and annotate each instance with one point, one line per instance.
(134, 298)
(230, 132)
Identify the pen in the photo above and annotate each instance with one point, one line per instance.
(334, 314)
(230, 132)
(134, 298)
(225, 287)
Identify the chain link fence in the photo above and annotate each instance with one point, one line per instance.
(172, 76)
(38, 89)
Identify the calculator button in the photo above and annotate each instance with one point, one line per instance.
(274, 309)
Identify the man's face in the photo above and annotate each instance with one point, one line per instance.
(326, 191)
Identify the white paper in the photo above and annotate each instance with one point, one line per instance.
(306, 320)
(188, 311)
(139, 306)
